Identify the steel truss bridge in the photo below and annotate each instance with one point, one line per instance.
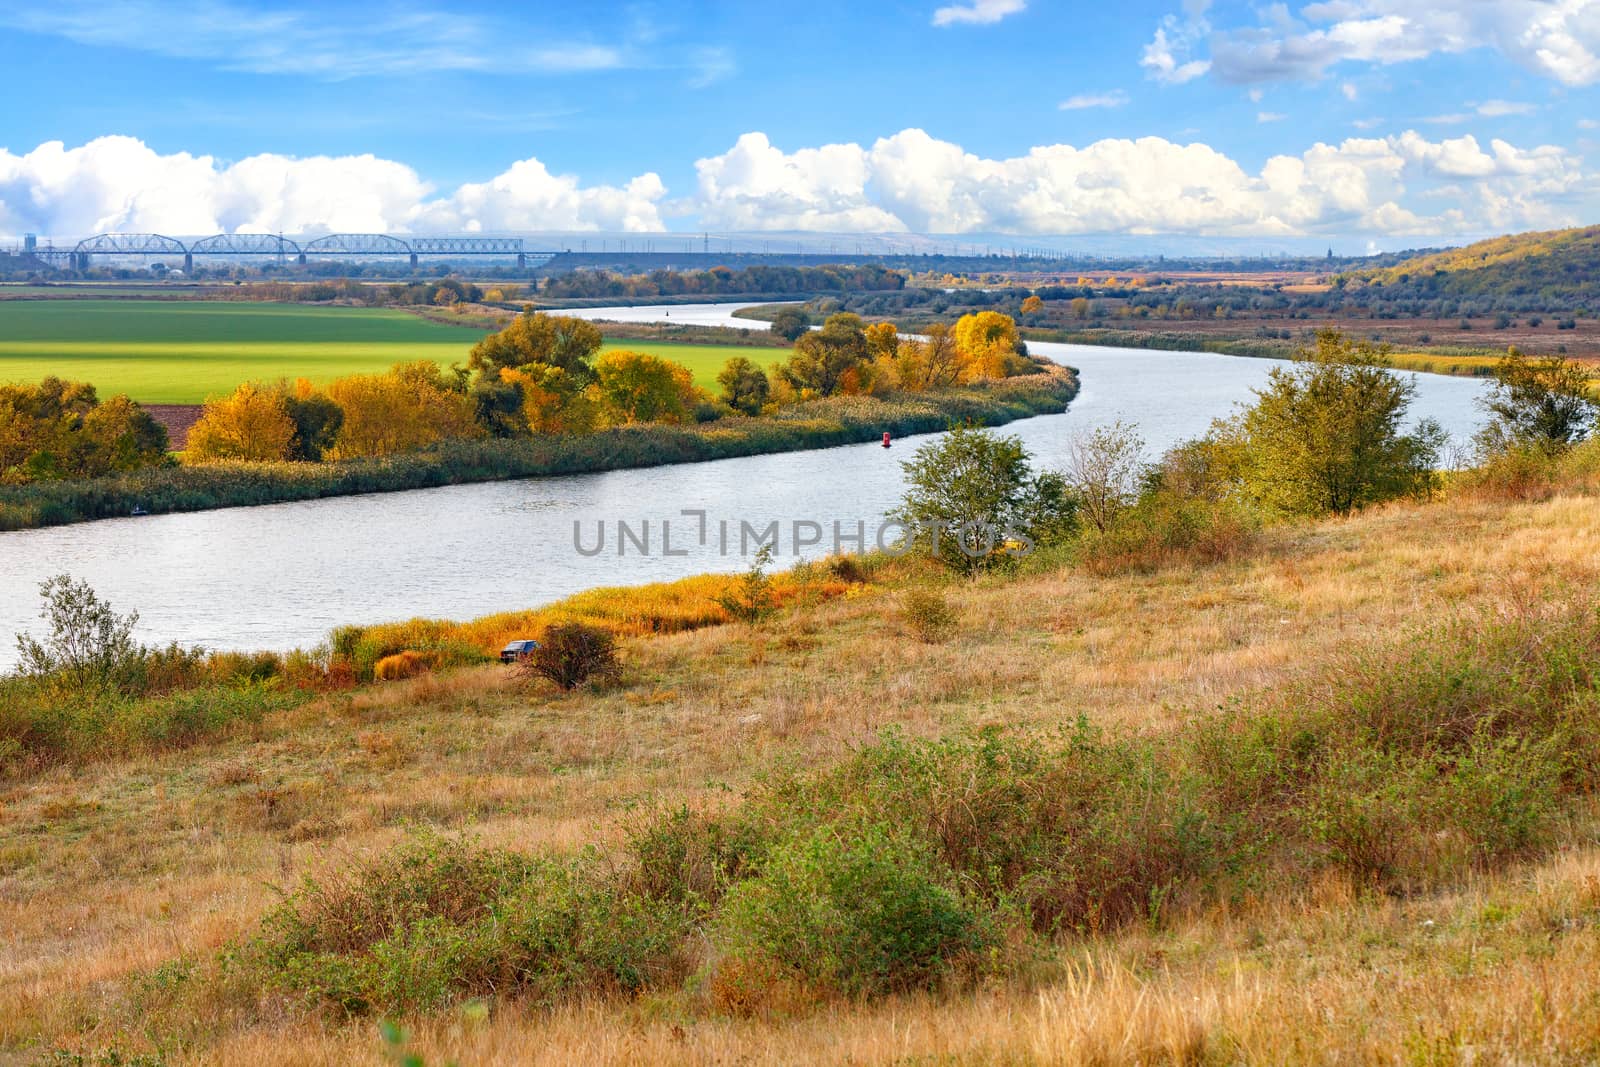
(355, 245)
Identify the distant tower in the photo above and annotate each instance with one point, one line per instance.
(30, 243)
(1330, 253)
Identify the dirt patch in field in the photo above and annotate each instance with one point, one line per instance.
(178, 419)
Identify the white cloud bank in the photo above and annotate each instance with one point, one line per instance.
(914, 182)
(1558, 39)
(909, 182)
(119, 183)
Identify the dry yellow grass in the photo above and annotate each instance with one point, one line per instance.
(108, 873)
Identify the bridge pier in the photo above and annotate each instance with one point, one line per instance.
(413, 261)
(301, 259)
(188, 263)
(522, 259)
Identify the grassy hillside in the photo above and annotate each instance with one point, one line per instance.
(1557, 269)
(132, 885)
(182, 351)
(1581, 243)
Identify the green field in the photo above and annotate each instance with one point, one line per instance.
(180, 352)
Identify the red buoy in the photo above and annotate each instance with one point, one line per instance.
(886, 439)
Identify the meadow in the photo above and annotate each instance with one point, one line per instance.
(183, 351)
(157, 906)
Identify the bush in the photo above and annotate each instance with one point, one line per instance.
(863, 913)
(439, 919)
(571, 653)
(407, 664)
(751, 600)
(929, 615)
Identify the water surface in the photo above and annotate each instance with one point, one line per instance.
(282, 575)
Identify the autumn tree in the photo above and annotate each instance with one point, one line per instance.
(532, 337)
(985, 341)
(411, 407)
(744, 385)
(1032, 305)
(822, 357)
(929, 363)
(556, 352)
(252, 423)
(638, 387)
(59, 429)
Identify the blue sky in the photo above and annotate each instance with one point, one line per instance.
(1338, 117)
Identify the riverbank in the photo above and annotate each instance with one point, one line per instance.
(147, 915)
(816, 424)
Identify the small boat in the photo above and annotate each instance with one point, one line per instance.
(137, 511)
(886, 439)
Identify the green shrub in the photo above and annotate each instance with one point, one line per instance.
(860, 913)
(752, 599)
(439, 919)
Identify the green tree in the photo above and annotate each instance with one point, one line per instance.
(791, 323)
(1540, 403)
(317, 421)
(971, 493)
(1104, 469)
(90, 647)
(744, 385)
(822, 357)
(1324, 434)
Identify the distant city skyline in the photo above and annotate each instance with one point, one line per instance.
(1363, 123)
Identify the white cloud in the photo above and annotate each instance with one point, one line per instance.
(1498, 108)
(1558, 39)
(119, 183)
(1086, 101)
(1270, 116)
(912, 181)
(1350, 91)
(1168, 58)
(980, 12)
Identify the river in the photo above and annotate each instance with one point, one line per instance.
(281, 576)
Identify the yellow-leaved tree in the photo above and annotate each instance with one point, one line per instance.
(410, 407)
(251, 423)
(984, 343)
(638, 387)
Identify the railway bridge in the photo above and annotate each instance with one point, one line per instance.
(353, 245)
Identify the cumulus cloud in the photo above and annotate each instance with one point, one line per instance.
(910, 181)
(981, 12)
(1086, 101)
(120, 183)
(913, 181)
(1559, 39)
